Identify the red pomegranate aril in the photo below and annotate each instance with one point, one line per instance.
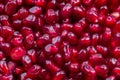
(110, 21)
(82, 55)
(111, 78)
(101, 70)
(95, 39)
(17, 24)
(75, 2)
(19, 2)
(100, 3)
(34, 71)
(116, 52)
(11, 66)
(59, 75)
(17, 53)
(2, 55)
(74, 67)
(92, 16)
(77, 28)
(1, 8)
(30, 2)
(78, 12)
(116, 72)
(91, 50)
(7, 77)
(35, 10)
(66, 11)
(95, 28)
(41, 3)
(52, 4)
(29, 41)
(96, 59)
(84, 41)
(51, 48)
(4, 20)
(107, 34)
(33, 55)
(17, 41)
(11, 7)
(58, 59)
(102, 49)
(6, 47)
(18, 70)
(87, 2)
(43, 40)
(26, 60)
(50, 16)
(29, 20)
(66, 26)
(26, 31)
(112, 62)
(90, 73)
(4, 67)
(104, 10)
(51, 66)
(22, 13)
(23, 76)
(72, 38)
(6, 32)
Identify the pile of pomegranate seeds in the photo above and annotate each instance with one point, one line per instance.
(59, 39)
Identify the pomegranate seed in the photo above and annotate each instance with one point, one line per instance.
(17, 53)
(101, 70)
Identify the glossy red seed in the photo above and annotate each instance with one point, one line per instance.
(91, 50)
(102, 71)
(1, 8)
(17, 53)
(50, 16)
(29, 20)
(75, 2)
(34, 71)
(100, 3)
(26, 60)
(51, 48)
(92, 16)
(116, 52)
(11, 7)
(96, 59)
(87, 2)
(111, 78)
(22, 13)
(59, 75)
(2, 55)
(41, 3)
(6, 32)
(116, 71)
(112, 62)
(66, 11)
(89, 72)
(4, 67)
(51, 66)
(95, 28)
(35, 10)
(110, 21)
(33, 55)
(74, 67)
(72, 38)
(17, 24)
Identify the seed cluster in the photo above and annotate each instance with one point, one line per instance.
(59, 39)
